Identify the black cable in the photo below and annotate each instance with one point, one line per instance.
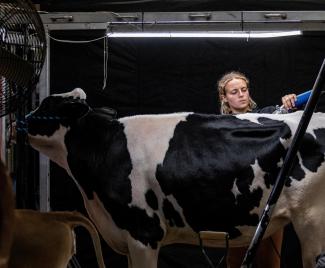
(205, 254)
(275, 248)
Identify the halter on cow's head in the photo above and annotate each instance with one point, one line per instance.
(55, 110)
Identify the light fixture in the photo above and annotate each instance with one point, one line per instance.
(254, 34)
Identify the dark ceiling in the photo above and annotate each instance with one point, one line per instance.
(178, 5)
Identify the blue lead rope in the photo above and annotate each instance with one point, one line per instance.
(32, 117)
(22, 125)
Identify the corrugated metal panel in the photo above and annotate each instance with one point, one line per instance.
(188, 21)
(284, 20)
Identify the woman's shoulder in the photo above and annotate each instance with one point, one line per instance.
(264, 110)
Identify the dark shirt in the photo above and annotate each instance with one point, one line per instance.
(264, 110)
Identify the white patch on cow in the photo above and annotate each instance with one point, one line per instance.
(250, 118)
(301, 164)
(258, 182)
(147, 150)
(53, 146)
(77, 93)
(307, 189)
(280, 163)
(285, 143)
(177, 207)
(235, 189)
(258, 173)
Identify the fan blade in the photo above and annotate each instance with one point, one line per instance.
(15, 69)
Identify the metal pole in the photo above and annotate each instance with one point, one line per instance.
(44, 162)
(22, 187)
(286, 168)
(20, 164)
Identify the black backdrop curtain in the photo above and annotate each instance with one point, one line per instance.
(161, 75)
(168, 75)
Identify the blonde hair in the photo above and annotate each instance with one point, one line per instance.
(227, 77)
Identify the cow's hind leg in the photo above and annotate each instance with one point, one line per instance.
(311, 234)
(141, 256)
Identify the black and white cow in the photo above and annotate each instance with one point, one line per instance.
(152, 180)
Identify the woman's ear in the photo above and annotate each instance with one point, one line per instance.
(224, 98)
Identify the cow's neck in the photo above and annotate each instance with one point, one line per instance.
(52, 146)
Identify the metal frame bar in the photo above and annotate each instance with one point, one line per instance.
(44, 162)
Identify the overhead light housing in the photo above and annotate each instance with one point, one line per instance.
(207, 34)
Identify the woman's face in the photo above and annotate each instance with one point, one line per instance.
(237, 95)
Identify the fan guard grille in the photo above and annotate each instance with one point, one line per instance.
(22, 52)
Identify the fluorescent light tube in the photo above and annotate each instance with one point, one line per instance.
(204, 34)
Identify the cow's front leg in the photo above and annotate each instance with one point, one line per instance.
(141, 256)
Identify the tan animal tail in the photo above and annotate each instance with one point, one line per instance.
(7, 204)
(75, 219)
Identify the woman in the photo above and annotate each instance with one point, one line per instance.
(233, 88)
(234, 96)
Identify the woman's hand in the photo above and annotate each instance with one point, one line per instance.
(289, 100)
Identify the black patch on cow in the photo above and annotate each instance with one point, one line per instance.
(172, 215)
(311, 151)
(151, 199)
(296, 172)
(100, 161)
(98, 156)
(312, 154)
(206, 155)
(53, 112)
(274, 150)
(320, 135)
(37, 122)
(283, 129)
(247, 200)
(141, 227)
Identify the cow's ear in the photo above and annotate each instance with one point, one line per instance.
(75, 110)
(109, 112)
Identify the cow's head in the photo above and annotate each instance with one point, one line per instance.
(50, 122)
(57, 110)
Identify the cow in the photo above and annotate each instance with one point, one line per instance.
(153, 180)
(46, 239)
